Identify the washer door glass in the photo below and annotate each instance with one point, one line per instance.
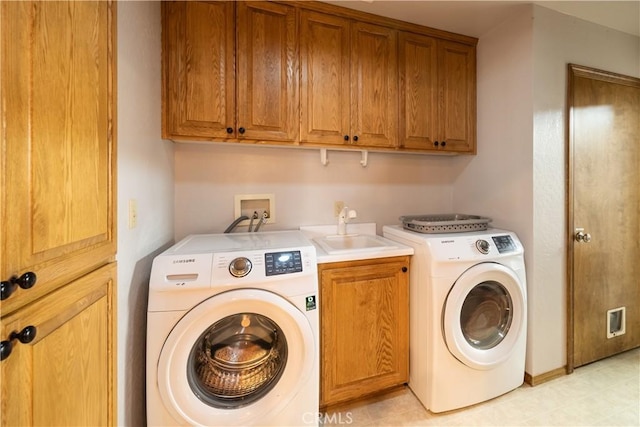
(237, 360)
(484, 315)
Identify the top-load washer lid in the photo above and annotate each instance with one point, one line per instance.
(232, 242)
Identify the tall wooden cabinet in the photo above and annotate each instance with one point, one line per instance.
(230, 71)
(57, 236)
(349, 82)
(364, 316)
(437, 94)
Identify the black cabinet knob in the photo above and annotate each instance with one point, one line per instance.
(443, 143)
(25, 336)
(241, 130)
(26, 281)
(404, 269)
(229, 130)
(355, 138)
(346, 137)
(436, 143)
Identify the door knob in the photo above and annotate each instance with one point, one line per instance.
(581, 236)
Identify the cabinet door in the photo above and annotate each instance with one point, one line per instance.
(66, 375)
(198, 76)
(324, 57)
(268, 103)
(457, 75)
(417, 65)
(58, 144)
(374, 85)
(364, 328)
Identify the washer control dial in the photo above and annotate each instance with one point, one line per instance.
(240, 267)
(482, 246)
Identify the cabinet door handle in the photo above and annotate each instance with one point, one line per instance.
(26, 281)
(436, 143)
(404, 269)
(241, 130)
(443, 143)
(229, 130)
(355, 138)
(25, 336)
(346, 137)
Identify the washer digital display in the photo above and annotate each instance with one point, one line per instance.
(504, 243)
(283, 262)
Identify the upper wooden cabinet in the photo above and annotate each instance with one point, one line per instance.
(437, 94)
(230, 71)
(198, 73)
(315, 74)
(349, 82)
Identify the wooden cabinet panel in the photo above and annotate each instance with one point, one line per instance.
(374, 86)
(267, 72)
(349, 82)
(66, 375)
(364, 327)
(325, 94)
(215, 89)
(437, 94)
(58, 145)
(199, 69)
(418, 91)
(457, 76)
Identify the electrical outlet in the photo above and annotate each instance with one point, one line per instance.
(337, 208)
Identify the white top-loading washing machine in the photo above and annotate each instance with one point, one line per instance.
(468, 315)
(233, 331)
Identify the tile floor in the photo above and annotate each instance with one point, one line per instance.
(604, 393)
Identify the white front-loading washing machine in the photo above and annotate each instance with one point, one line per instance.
(468, 315)
(233, 331)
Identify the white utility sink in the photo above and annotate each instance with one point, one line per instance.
(353, 243)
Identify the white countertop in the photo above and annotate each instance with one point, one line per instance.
(315, 231)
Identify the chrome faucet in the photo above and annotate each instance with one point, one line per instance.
(343, 218)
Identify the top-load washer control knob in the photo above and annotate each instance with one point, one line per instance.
(240, 267)
(482, 246)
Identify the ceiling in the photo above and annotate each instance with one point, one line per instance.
(475, 18)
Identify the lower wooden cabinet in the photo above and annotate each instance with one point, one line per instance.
(66, 374)
(364, 316)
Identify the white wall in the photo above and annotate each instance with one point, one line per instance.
(145, 173)
(208, 176)
(498, 182)
(558, 40)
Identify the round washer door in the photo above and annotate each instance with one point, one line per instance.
(209, 375)
(484, 315)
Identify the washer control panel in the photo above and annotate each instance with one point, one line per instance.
(282, 262)
(504, 243)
